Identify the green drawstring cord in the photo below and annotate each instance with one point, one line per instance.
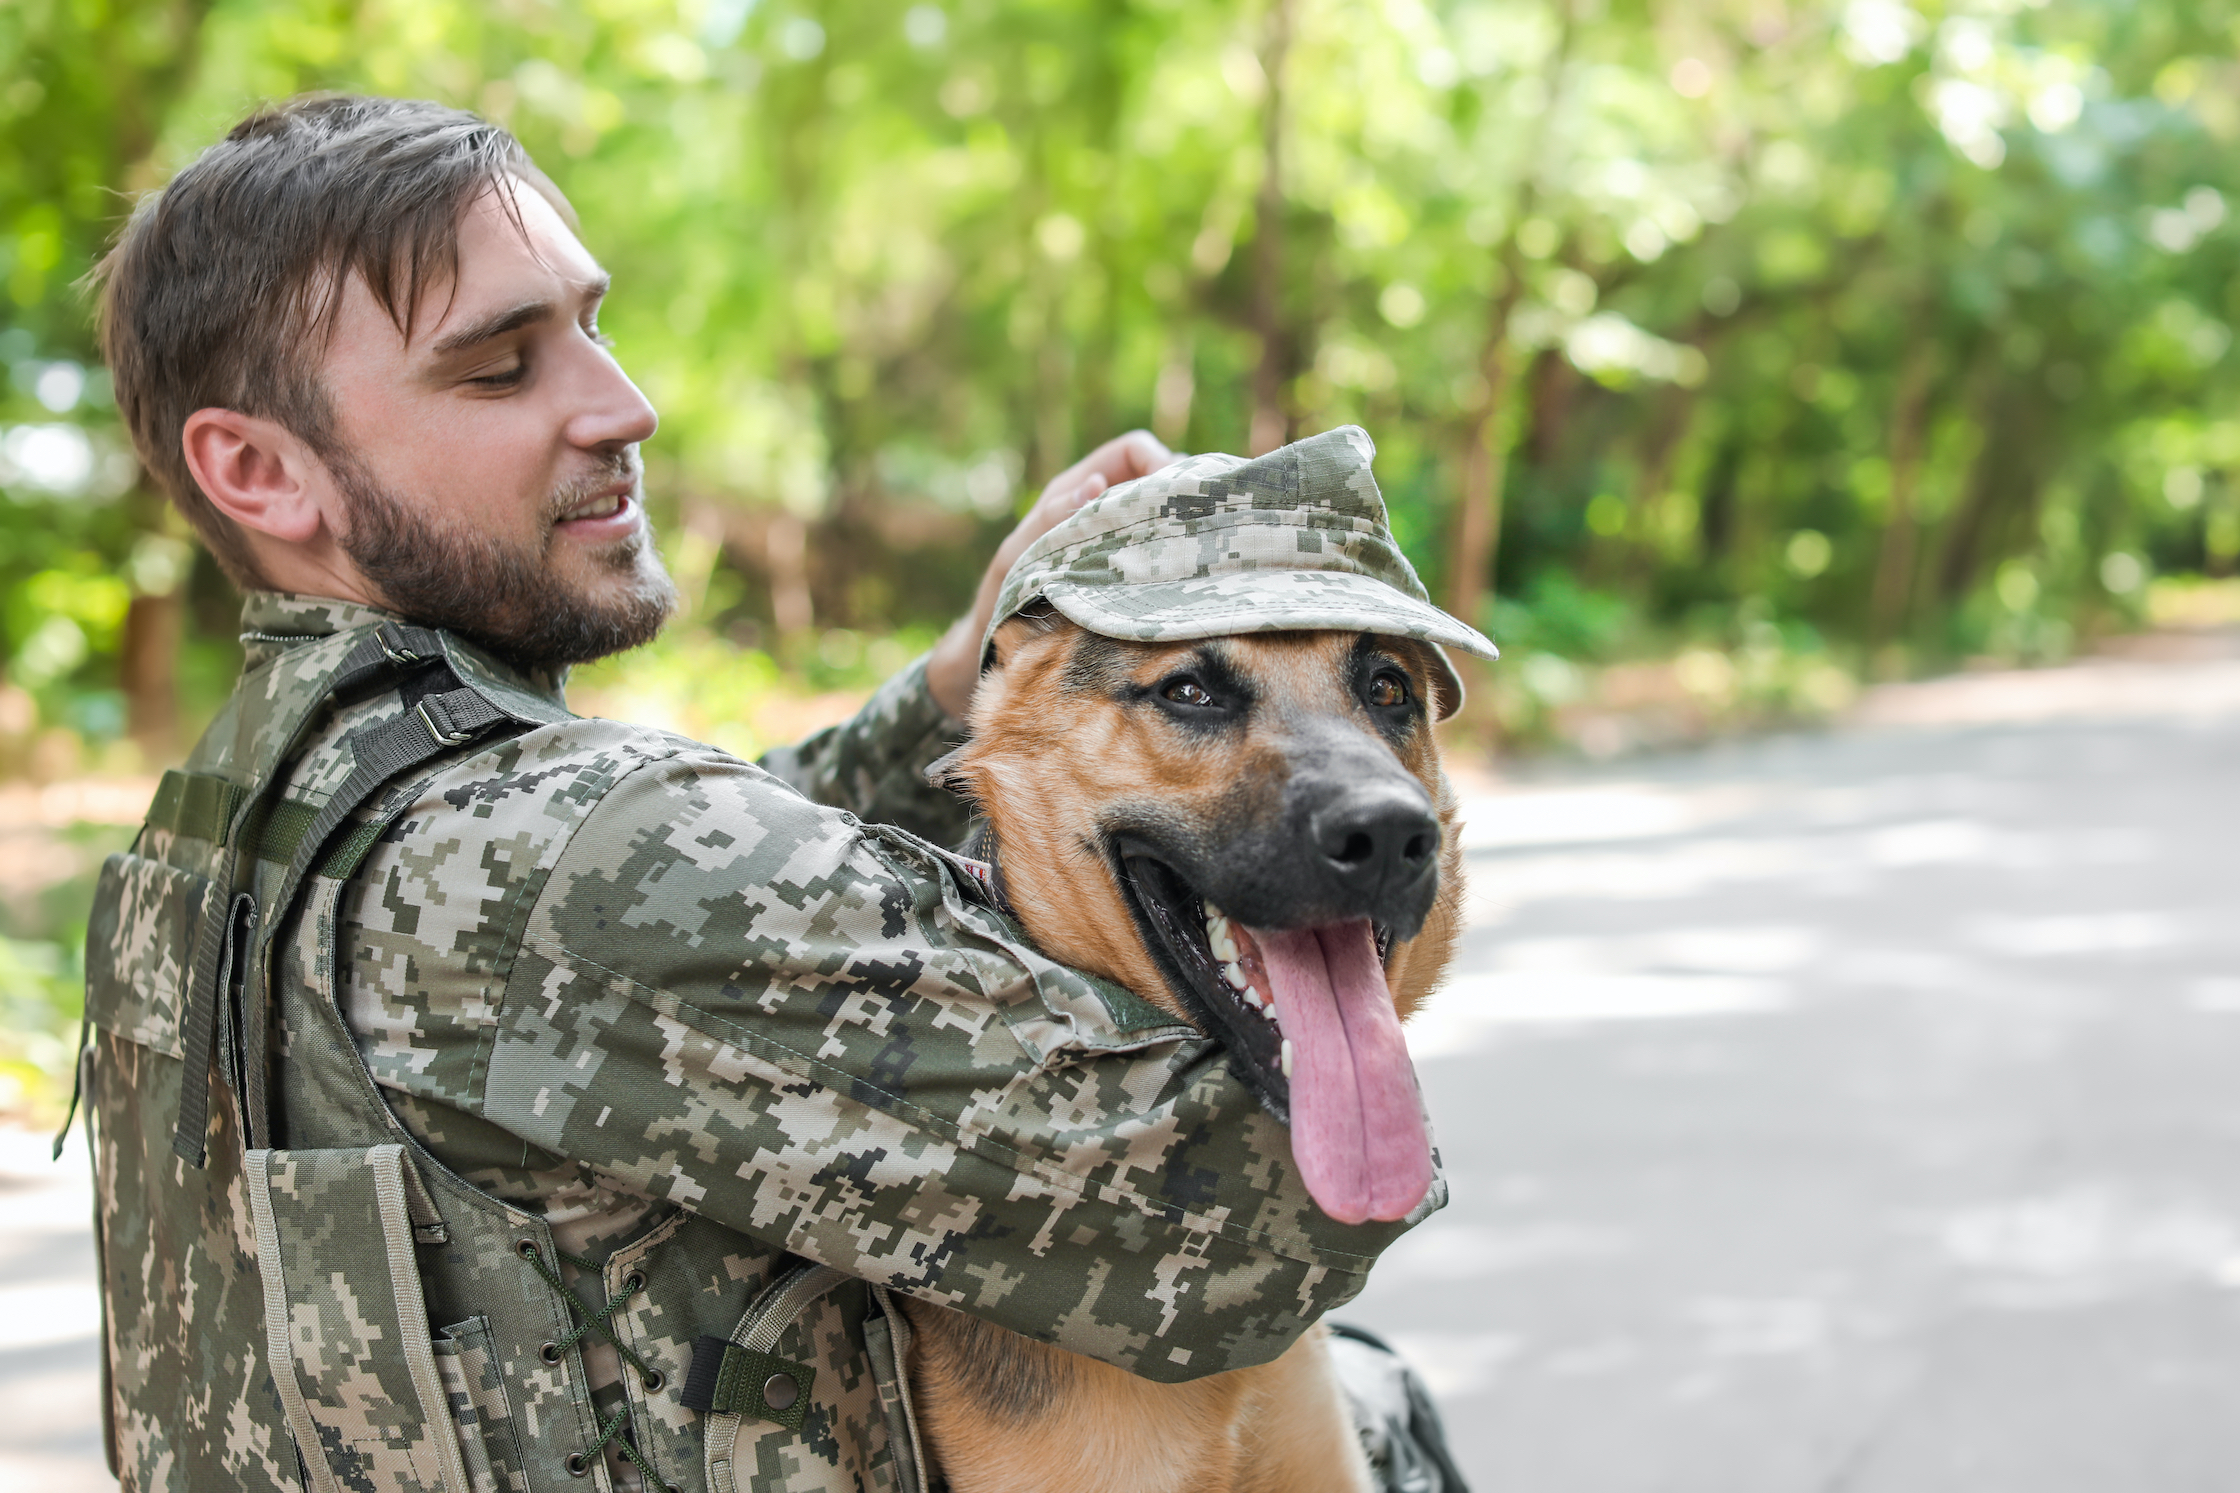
(587, 1322)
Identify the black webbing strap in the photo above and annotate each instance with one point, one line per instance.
(229, 955)
(206, 807)
(381, 654)
(436, 724)
(219, 958)
(426, 729)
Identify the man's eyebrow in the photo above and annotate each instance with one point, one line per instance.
(511, 319)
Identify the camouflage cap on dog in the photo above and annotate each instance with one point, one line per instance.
(1295, 539)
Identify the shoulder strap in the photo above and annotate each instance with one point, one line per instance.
(233, 948)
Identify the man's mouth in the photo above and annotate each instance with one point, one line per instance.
(1309, 1020)
(602, 506)
(611, 513)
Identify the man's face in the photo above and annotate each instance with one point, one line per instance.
(489, 461)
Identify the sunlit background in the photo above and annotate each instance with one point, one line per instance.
(1772, 345)
(1725, 358)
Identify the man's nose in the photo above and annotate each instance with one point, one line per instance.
(612, 411)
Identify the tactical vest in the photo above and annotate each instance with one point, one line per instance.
(332, 1308)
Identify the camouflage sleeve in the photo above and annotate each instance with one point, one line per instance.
(873, 764)
(734, 1000)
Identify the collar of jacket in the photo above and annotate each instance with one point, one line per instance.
(274, 621)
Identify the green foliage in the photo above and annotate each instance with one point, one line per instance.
(1844, 333)
(1907, 323)
(42, 990)
(1557, 615)
(741, 698)
(42, 967)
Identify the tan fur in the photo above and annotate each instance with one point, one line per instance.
(1086, 1427)
(1043, 760)
(1004, 1414)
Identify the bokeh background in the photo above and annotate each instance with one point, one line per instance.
(1739, 364)
(1722, 355)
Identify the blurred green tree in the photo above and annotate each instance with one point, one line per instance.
(1901, 327)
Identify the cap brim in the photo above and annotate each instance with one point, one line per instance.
(1271, 601)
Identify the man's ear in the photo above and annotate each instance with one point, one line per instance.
(254, 471)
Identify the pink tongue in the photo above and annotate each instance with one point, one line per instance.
(1356, 1124)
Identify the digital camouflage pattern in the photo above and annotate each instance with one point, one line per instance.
(349, 1295)
(619, 996)
(1216, 544)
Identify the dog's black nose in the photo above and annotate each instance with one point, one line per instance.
(1378, 840)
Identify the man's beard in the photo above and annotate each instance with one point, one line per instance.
(506, 597)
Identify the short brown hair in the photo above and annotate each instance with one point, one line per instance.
(223, 287)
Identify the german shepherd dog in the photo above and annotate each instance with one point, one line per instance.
(1253, 832)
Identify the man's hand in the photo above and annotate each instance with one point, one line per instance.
(953, 668)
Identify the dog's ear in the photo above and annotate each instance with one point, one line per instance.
(1038, 618)
(942, 773)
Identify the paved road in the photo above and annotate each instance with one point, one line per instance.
(50, 1375)
(1855, 1112)
(1852, 1113)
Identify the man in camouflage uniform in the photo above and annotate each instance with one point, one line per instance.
(485, 1097)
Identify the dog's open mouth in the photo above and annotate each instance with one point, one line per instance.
(1308, 1016)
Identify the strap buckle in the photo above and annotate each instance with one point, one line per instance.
(446, 734)
(393, 644)
(726, 1379)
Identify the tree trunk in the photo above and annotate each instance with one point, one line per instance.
(1909, 425)
(1718, 517)
(785, 551)
(1486, 441)
(1171, 396)
(2002, 480)
(2220, 528)
(1053, 424)
(1660, 450)
(1485, 463)
(1103, 96)
(698, 547)
(1271, 424)
(147, 671)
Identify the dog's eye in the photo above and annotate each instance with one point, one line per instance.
(1388, 690)
(1188, 692)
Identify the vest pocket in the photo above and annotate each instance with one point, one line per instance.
(346, 1324)
(138, 949)
(467, 1362)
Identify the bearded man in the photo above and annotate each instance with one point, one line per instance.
(485, 1097)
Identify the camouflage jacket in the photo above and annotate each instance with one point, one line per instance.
(586, 989)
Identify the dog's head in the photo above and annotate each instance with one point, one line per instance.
(1252, 832)
(1241, 819)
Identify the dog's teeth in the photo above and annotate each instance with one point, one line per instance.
(1287, 1057)
(1224, 947)
(1235, 975)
